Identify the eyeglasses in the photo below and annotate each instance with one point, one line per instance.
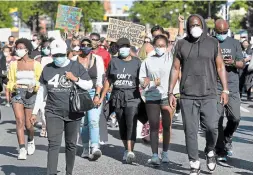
(146, 41)
(93, 39)
(222, 33)
(47, 47)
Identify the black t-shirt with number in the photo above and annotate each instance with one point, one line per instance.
(59, 88)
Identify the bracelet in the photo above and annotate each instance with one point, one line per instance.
(226, 92)
(169, 94)
(97, 95)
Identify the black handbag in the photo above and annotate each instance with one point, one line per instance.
(80, 100)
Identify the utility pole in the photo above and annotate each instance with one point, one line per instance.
(209, 9)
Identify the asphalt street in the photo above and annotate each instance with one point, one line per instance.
(110, 163)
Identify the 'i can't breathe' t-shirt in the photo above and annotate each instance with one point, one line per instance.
(124, 75)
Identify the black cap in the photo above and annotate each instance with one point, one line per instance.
(123, 41)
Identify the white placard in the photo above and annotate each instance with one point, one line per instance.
(56, 34)
(4, 34)
(25, 33)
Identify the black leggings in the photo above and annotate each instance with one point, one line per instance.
(127, 119)
(153, 112)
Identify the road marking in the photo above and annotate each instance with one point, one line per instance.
(244, 109)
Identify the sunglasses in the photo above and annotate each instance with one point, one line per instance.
(146, 41)
(47, 47)
(59, 55)
(222, 33)
(93, 39)
(85, 45)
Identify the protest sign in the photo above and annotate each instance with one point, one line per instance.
(173, 33)
(237, 37)
(4, 34)
(68, 18)
(54, 34)
(124, 29)
(25, 33)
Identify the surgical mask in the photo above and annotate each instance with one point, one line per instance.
(221, 37)
(59, 61)
(85, 51)
(21, 53)
(6, 54)
(35, 45)
(160, 51)
(46, 52)
(196, 32)
(124, 52)
(94, 44)
(74, 58)
(76, 48)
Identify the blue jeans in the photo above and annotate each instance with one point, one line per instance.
(90, 124)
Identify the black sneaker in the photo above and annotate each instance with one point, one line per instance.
(211, 161)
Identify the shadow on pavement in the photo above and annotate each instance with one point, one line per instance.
(8, 122)
(11, 169)
(243, 173)
(9, 151)
(238, 163)
(249, 119)
(116, 152)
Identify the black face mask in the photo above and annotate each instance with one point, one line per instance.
(11, 43)
(85, 51)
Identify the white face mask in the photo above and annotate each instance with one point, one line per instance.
(160, 51)
(35, 45)
(6, 54)
(196, 32)
(74, 58)
(77, 48)
(21, 53)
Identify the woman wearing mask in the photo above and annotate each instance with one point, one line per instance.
(90, 129)
(23, 83)
(9, 58)
(75, 47)
(46, 58)
(56, 82)
(245, 75)
(125, 97)
(154, 78)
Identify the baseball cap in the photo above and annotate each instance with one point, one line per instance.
(58, 46)
(123, 41)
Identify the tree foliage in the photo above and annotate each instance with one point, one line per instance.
(29, 9)
(158, 12)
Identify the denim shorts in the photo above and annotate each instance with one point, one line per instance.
(22, 96)
(162, 102)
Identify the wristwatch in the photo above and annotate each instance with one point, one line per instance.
(226, 92)
(97, 95)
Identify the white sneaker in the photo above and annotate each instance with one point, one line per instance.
(130, 157)
(30, 147)
(155, 160)
(95, 154)
(101, 143)
(86, 151)
(22, 154)
(195, 167)
(125, 155)
(211, 161)
(165, 157)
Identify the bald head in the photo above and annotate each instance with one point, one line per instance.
(221, 26)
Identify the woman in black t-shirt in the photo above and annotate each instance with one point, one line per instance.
(56, 82)
(125, 97)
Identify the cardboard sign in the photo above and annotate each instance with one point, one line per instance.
(4, 34)
(68, 18)
(173, 33)
(237, 37)
(56, 34)
(124, 29)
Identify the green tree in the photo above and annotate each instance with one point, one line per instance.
(158, 12)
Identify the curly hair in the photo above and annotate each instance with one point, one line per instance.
(26, 42)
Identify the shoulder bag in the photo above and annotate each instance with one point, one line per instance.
(80, 100)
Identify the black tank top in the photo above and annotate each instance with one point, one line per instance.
(93, 73)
